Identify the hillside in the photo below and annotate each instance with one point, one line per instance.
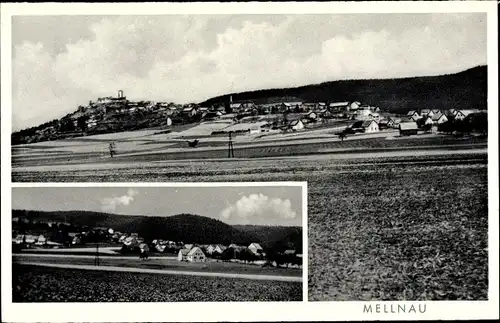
(183, 227)
(467, 89)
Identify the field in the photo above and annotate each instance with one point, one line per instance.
(390, 218)
(164, 264)
(39, 284)
(407, 232)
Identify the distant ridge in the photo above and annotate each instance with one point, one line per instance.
(188, 228)
(466, 89)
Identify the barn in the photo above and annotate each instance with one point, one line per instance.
(408, 128)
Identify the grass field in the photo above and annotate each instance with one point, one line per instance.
(399, 233)
(39, 284)
(169, 264)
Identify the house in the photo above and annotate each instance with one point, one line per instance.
(144, 247)
(354, 105)
(338, 106)
(424, 112)
(182, 255)
(311, 116)
(210, 248)
(370, 126)
(428, 121)
(255, 248)
(462, 114)
(289, 252)
(196, 255)
(296, 125)
(413, 115)
(408, 128)
(130, 241)
(439, 118)
(41, 240)
(220, 248)
(190, 111)
(234, 246)
(212, 115)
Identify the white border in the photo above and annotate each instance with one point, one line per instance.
(209, 312)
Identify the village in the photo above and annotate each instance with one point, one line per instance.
(116, 114)
(47, 236)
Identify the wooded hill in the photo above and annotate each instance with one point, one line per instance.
(188, 228)
(464, 90)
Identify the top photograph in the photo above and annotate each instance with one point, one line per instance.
(190, 98)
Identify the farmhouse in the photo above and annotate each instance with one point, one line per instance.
(192, 255)
(413, 115)
(408, 128)
(219, 248)
(255, 248)
(462, 114)
(370, 126)
(439, 118)
(182, 255)
(296, 125)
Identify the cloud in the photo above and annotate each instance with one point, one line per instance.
(259, 209)
(191, 58)
(110, 204)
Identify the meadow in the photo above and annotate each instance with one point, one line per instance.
(40, 284)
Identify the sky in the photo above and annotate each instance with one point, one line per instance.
(60, 62)
(276, 205)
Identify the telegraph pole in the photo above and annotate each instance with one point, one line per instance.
(97, 254)
(230, 152)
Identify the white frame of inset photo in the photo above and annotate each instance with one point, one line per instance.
(247, 311)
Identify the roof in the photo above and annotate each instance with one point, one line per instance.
(467, 112)
(295, 122)
(184, 252)
(411, 112)
(256, 245)
(367, 123)
(437, 116)
(289, 252)
(408, 126)
(338, 104)
(425, 111)
(193, 251)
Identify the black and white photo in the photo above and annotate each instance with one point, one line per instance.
(157, 244)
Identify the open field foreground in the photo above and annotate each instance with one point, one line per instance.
(399, 232)
(42, 284)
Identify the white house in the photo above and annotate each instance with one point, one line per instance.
(255, 248)
(428, 121)
(195, 255)
(462, 114)
(41, 240)
(311, 115)
(439, 118)
(413, 115)
(296, 125)
(219, 248)
(210, 249)
(182, 255)
(370, 126)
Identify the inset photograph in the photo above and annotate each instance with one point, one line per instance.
(157, 244)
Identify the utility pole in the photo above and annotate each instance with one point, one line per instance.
(96, 261)
(230, 152)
